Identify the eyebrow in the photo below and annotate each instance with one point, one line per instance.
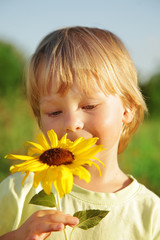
(55, 97)
(48, 99)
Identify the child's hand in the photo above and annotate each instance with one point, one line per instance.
(40, 225)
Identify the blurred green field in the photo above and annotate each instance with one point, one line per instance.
(17, 125)
(142, 156)
(141, 159)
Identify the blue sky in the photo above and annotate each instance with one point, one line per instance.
(136, 22)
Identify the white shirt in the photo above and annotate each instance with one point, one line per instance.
(134, 212)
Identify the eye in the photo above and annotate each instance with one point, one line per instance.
(89, 107)
(56, 113)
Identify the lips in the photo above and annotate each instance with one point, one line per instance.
(79, 133)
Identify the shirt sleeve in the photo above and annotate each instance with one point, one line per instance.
(156, 222)
(12, 198)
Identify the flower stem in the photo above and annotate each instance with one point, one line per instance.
(58, 203)
(71, 234)
(65, 235)
(59, 209)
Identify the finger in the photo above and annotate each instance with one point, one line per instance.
(42, 236)
(42, 213)
(60, 218)
(43, 230)
(47, 227)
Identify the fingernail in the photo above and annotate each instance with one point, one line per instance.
(75, 220)
(59, 227)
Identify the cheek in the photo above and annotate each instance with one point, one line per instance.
(48, 124)
(108, 129)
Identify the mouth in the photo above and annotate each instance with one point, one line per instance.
(74, 135)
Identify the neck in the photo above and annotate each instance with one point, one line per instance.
(112, 178)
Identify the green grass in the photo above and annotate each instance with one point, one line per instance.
(141, 158)
(16, 126)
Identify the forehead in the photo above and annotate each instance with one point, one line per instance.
(82, 81)
(75, 88)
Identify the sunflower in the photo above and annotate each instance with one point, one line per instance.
(56, 161)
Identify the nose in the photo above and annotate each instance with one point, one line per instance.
(73, 122)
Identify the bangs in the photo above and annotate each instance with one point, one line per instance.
(87, 58)
(75, 60)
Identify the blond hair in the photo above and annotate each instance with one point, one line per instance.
(89, 57)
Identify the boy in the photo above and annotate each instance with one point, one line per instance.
(82, 82)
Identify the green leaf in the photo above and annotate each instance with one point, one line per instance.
(43, 199)
(89, 218)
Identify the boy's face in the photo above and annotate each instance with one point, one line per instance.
(85, 116)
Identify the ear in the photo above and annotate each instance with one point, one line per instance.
(128, 114)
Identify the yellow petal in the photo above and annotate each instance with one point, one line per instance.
(80, 162)
(47, 186)
(49, 178)
(62, 142)
(64, 182)
(84, 145)
(27, 173)
(37, 178)
(43, 141)
(53, 138)
(52, 173)
(99, 161)
(90, 152)
(46, 177)
(82, 173)
(32, 151)
(19, 157)
(67, 180)
(76, 142)
(31, 166)
(96, 165)
(36, 145)
(58, 187)
(88, 162)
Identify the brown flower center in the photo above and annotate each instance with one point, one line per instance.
(56, 156)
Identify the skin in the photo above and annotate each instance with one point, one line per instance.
(79, 115)
(43, 223)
